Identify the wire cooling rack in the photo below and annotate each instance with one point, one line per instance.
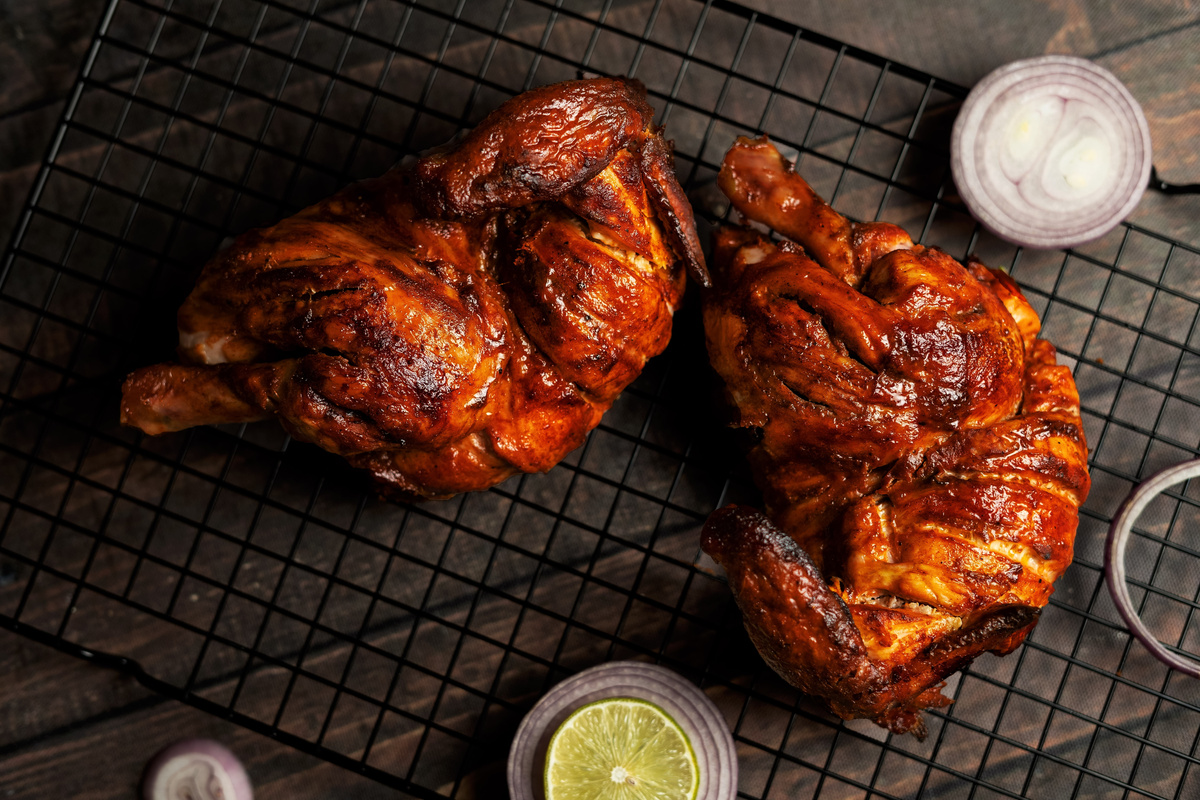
(257, 579)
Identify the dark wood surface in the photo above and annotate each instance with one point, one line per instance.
(69, 729)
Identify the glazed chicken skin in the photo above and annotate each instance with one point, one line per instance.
(464, 317)
(921, 455)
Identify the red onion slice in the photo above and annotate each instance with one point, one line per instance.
(1050, 152)
(679, 697)
(196, 769)
(1114, 560)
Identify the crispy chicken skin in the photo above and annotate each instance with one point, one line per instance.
(458, 320)
(920, 453)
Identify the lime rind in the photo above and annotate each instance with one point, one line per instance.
(621, 749)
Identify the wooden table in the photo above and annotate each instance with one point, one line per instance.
(68, 729)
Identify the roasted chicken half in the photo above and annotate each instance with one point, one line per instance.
(464, 317)
(921, 455)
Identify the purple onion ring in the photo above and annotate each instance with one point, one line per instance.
(1114, 560)
(679, 697)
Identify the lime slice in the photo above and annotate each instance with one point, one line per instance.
(621, 749)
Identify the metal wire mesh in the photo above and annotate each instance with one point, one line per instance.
(255, 578)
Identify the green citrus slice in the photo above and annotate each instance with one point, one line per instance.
(621, 749)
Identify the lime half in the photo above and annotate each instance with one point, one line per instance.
(621, 749)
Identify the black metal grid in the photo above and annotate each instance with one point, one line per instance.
(229, 568)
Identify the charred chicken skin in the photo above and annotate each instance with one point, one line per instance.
(458, 320)
(920, 453)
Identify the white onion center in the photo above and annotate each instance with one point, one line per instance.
(196, 769)
(1055, 152)
(194, 776)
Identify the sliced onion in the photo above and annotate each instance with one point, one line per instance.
(679, 697)
(1050, 152)
(1114, 560)
(196, 769)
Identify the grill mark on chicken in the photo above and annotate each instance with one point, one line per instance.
(519, 327)
(1024, 480)
(802, 397)
(833, 341)
(934, 497)
(317, 294)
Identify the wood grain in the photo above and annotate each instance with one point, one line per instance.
(94, 732)
(40, 48)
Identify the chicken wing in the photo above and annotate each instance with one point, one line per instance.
(458, 320)
(920, 453)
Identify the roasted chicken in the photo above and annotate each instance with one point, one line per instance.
(464, 317)
(920, 454)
